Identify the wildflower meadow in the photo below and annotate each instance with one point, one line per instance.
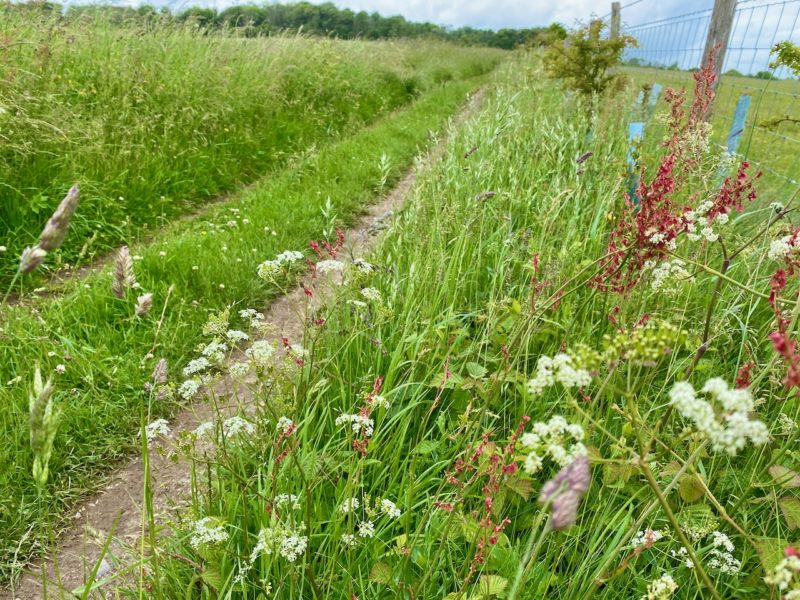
(528, 371)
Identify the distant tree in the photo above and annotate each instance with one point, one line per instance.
(764, 75)
(733, 73)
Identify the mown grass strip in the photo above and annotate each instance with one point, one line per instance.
(202, 268)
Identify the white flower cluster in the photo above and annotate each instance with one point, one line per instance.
(288, 543)
(697, 220)
(390, 508)
(329, 266)
(359, 423)
(721, 554)
(159, 427)
(268, 269)
(558, 369)
(282, 500)
(239, 369)
(561, 441)
(363, 266)
(730, 431)
(682, 554)
(204, 429)
(285, 425)
(372, 294)
(786, 424)
(236, 425)
(236, 337)
(253, 317)
(260, 352)
(349, 505)
(378, 401)
(661, 589)
(214, 351)
(782, 576)
(196, 365)
(188, 389)
(646, 537)
(781, 248)
(207, 531)
(667, 275)
(366, 529)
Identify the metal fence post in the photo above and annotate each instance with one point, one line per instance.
(719, 32)
(615, 18)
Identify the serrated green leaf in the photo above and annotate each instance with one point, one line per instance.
(491, 585)
(381, 573)
(476, 371)
(426, 447)
(691, 488)
(790, 507)
(212, 578)
(784, 477)
(770, 551)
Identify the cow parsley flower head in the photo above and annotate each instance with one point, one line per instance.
(732, 428)
(349, 540)
(559, 369)
(204, 429)
(268, 270)
(349, 505)
(158, 428)
(366, 529)
(329, 266)
(189, 389)
(236, 425)
(360, 424)
(208, 531)
(390, 508)
(260, 352)
(363, 266)
(556, 438)
(196, 366)
(215, 352)
(239, 369)
(661, 589)
(288, 257)
(236, 337)
(371, 294)
(285, 425)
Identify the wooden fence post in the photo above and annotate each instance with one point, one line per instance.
(719, 32)
(615, 18)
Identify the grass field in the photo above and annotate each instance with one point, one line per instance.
(772, 148)
(532, 388)
(188, 272)
(144, 117)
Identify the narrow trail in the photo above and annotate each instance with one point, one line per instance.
(118, 506)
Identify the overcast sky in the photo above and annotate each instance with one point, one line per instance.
(496, 14)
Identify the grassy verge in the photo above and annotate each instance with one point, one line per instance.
(107, 350)
(392, 465)
(153, 120)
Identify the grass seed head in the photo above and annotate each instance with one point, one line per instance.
(56, 228)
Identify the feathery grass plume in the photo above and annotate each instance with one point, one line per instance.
(31, 258)
(143, 304)
(56, 228)
(161, 371)
(43, 423)
(124, 276)
(564, 493)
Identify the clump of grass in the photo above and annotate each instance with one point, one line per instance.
(155, 120)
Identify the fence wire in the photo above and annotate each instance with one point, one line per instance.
(670, 49)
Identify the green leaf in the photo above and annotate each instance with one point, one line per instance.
(212, 578)
(381, 573)
(520, 485)
(426, 447)
(784, 477)
(491, 585)
(691, 488)
(770, 551)
(476, 371)
(791, 511)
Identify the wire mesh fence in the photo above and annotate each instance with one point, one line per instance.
(767, 99)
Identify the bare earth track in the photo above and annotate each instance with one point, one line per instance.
(118, 506)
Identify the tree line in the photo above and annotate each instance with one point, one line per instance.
(315, 19)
